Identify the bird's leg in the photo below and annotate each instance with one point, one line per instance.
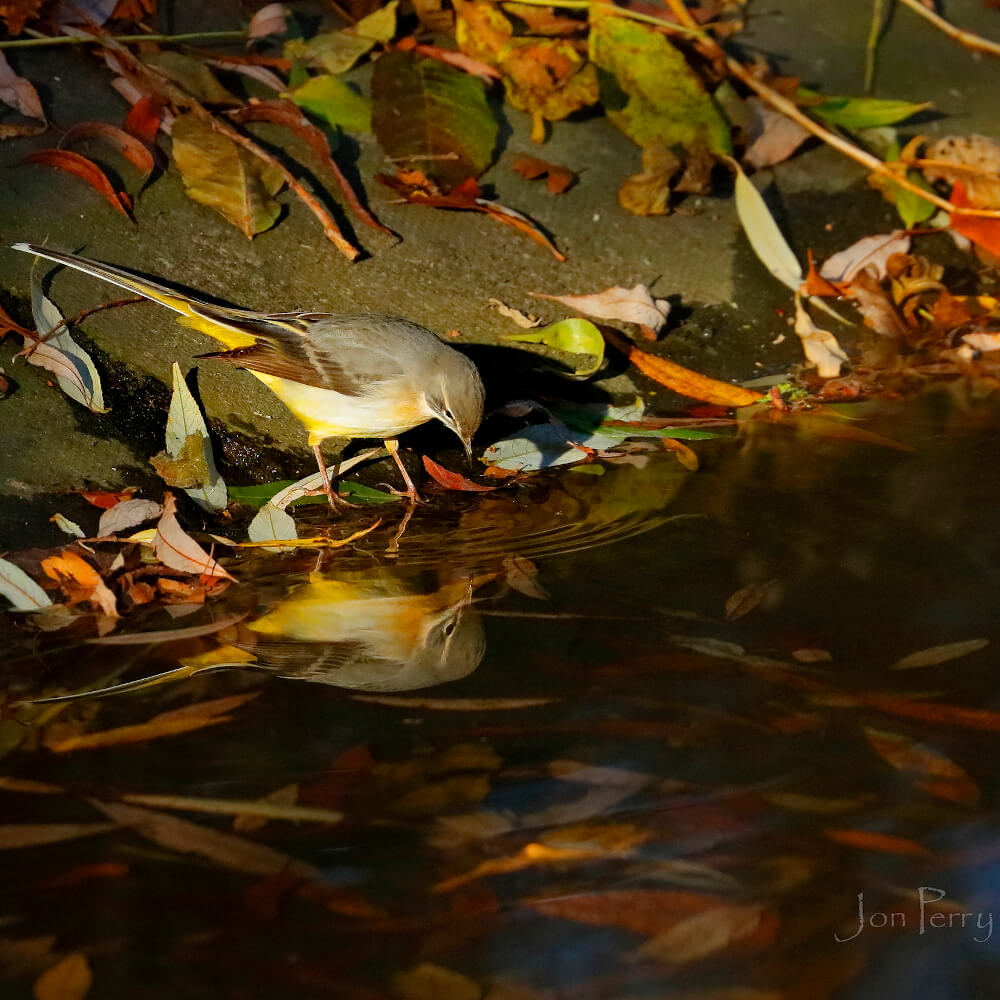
(392, 446)
(327, 488)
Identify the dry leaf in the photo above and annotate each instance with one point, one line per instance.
(876, 306)
(934, 655)
(872, 252)
(32, 834)
(69, 979)
(932, 770)
(631, 305)
(773, 136)
(452, 480)
(17, 92)
(560, 179)
(434, 982)
(79, 166)
(747, 598)
(127, 514)
(136, 152)
(820, 346)
(523, 320)
(178, 550)
(648, 192)
(269, 20)
(972, 160)
(868, 840)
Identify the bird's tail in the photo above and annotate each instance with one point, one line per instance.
(192, 310)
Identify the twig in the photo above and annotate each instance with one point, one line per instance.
(632, 15)
(871, 47)
(43, 41)
(975, 42)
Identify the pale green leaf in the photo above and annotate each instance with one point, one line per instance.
(335, 101)
(64, 524)
(576, 336)
(764, 235)
(22, 592)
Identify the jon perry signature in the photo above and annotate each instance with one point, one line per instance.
(929, 917)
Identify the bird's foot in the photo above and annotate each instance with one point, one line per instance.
(410, 493)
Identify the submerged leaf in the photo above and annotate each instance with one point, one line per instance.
(218, 173)
(432, 116)
(648, 89)
(69, 979)
(576, 336)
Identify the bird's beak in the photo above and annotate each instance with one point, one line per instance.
(467, 444)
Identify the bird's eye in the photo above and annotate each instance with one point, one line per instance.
(449, 628)
(449, 414)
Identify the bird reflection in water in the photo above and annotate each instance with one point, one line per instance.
(375, 631)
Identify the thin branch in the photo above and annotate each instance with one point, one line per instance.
(43, 41)
(975, 42)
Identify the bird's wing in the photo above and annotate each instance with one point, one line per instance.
(349, 354)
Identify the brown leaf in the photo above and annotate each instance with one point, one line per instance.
(870, 253)
(178, 550)
(683, 380)
(434, 982)
(704, 934)
(69, 979)
(459, 60)
(452, 480)
(32, 834)
(80, 581)
(560, 179)
(136, 152)
(168, 635)
(521, 575)
(224, 849)
(747, 598)
(869, 840)
(935, 655)
(631, 305)
(931, 769)
(876, 306)
(648, 192)
(86, 170)
(269, 20)
(16, 91)
(453, 704)
(973, 161)
(773, 136)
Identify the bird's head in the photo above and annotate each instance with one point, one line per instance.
(457, 398)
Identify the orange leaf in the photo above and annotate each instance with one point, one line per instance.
(983, 232)
(86, 170)
(69, 567)
(143, 120)
(887, 843)
(128, 145)
(104, 499)
(816, 284)
(560, 179)
(683, 380)
(452, 480)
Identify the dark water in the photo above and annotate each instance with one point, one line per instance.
(678, 804)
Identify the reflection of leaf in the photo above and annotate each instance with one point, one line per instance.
(186, 429)
(335, 101)
(79, 166)
(22, 592)
(648, 89)
(576, 336)
(434, 982)
(704, 934)
(425, 110)
(32, 834)
(217, 173)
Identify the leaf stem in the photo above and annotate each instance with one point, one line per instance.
(871, 47)
(611, 8)
(975, 42)
(42, 41)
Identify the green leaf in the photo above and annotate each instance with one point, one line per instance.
(648, 89)
(187, 432)
(380, 25)
(22, 592)
(260, 493)
(218, 173)
(911, 207)
(577, 336)
(336, 102)
(338, 51)
(425, 111)
(862, 112)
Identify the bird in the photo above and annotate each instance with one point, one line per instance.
(343, 375)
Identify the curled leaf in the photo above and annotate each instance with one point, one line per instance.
(560, 179)
(79, 166)
(820, 346)
(576, 336)
(870, 252)
(128, 145)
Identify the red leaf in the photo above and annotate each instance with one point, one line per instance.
(86, 170)
(143, 120)
(984, 232)
(128, 145)
(560, 179)
(452, 480)
(104, 499)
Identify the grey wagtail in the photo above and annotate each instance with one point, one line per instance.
(342, 374)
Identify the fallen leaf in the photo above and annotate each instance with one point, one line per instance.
(435, 16)
(17, 92)
(973, 161)
(22, 592)
(178, 550)
(560, 179)
(658, 97)
(79, 166)
(67, 526)
(704, 934)
(932, 771)
(433, 116)
(862, 112)
(264, 808)
(459, 60)
(871, 252)
(58, 353)
(136, 152)
(575, 336)
(765, 237)
(935, 655)
(272, 523)
(218, 173)
(335, 101)
(682, 453)
(683, 380)
(269, 20)
(80, 581)
(281, 797)
(870, 840)
(105, 499)
(127, 514)
(145, 118)
(876, 306)
(747, 598)
(17, 835)
(69, 979)
(773, 136)
(79, 874)
(224, 849)
(452, 480)
(631, 305)
(983, 232)
(523, 320)
(648, 192)
(820, 346)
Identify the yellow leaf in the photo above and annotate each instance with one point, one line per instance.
(69, 979)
